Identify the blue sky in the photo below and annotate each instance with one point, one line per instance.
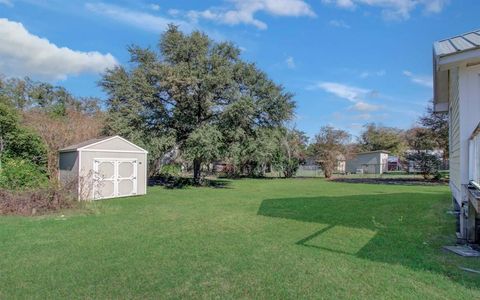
(348, 62)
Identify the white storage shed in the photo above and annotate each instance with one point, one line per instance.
(104, 168)
(373, 162)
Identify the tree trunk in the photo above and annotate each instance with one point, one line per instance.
(328, 173)
(196, 170)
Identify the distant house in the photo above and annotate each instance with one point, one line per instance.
(373, 162)
(456, 63)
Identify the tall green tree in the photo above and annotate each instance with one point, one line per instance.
(17, 141)
(376, 137)
(49, 117)
(291, 151)
(421, 141)
(194, 86)
(137, 108)
(329, 146)
(26, 94)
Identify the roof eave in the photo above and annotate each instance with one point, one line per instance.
(448, 61)
(67, 150)
(441, 66)
(440, 86)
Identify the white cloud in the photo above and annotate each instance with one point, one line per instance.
(173, 12)
(423, 80)
(339, 24)
(434, 6)
(6, 2)
(349, 4)
(155, 7)
(365, 107)
(353, 94)
(243, 11)
(25, 54)
(290, 62)
(379, 73)
(350, 93)
(393, 9)
(138, 19)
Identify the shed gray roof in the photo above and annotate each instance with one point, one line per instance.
(83, 144)
(461, 43)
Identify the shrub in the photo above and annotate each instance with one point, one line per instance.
(19, 174)
(38, 201)
(171, 170)
(427, 164)
(17, 141)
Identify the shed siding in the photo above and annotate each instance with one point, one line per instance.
(454, 120)
(375, 163)
(68, 168)
(86, 167)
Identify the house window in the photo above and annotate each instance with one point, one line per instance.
(474, 158)
(474, 150)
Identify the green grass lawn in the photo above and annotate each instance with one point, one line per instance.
(272, 238)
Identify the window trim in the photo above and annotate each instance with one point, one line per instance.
(474, 158)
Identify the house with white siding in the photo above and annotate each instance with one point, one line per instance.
(456, 64)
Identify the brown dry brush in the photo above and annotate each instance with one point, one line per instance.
(60, 132)
(36, 201)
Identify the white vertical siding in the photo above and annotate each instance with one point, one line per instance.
(469, 89)
(454, 119)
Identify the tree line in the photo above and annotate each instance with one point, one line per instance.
(192, 98)
(415, 144)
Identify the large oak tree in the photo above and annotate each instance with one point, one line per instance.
(193, 92)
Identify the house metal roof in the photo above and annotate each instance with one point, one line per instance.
(458, 44)
(448, 53)
(83, 144)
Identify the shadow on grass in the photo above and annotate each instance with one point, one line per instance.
(182, 182)
(405, 228)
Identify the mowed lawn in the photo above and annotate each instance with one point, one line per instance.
(271, 238)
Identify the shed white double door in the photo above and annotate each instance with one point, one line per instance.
(114, 178)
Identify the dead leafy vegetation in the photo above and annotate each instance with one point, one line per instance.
(36, 201)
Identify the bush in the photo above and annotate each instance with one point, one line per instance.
(18, 141)
(19, 174)
(426, 164)
(171, 170)
(32, 202)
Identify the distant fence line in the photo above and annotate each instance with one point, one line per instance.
(367, 170)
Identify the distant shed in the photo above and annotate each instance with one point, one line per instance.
(104, 168)
(373, 162)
